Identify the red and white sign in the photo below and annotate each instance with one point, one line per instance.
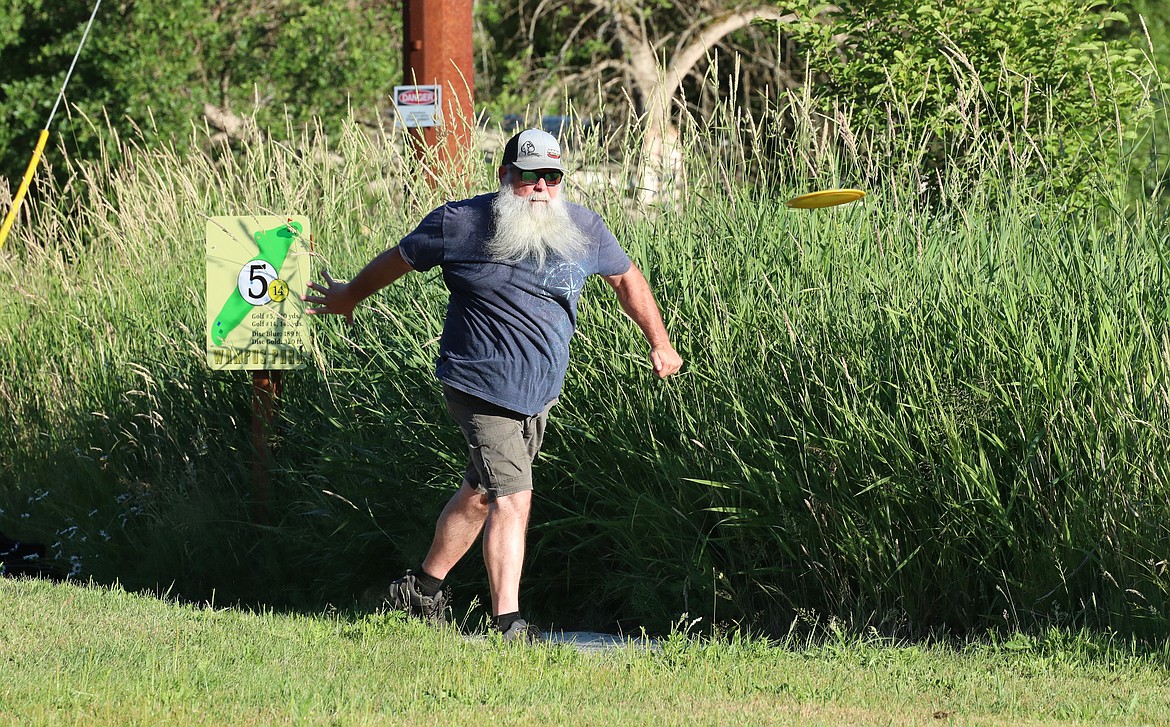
(416, 97)
(418, 106)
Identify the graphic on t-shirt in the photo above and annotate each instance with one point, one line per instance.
(565, 280)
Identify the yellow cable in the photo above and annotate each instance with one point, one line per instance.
(28, 175)
(36, 157)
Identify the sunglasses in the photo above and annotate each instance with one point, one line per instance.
(552, 177)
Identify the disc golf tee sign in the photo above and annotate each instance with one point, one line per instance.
(257, 268)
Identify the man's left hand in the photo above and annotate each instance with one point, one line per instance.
(666, 361)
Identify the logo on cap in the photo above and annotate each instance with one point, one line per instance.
(553, 154)
(528, 149)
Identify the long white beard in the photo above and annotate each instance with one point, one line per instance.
(533, 227)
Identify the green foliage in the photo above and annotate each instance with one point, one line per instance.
(1150, 18)
(927, 68)
(1041, 72)
(545, 54)
(1149, 29)
(1055, 79)
(12, 20)
(155, 65)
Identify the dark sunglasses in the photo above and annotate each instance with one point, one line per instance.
(552, 177)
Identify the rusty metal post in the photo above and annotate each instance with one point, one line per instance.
(266, 392)
(438, 50)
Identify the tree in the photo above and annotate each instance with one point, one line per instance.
(1055, 72)
(650, 53)
(657, 76)
(170, 68)
(1040, 73)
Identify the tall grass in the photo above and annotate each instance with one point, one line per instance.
(944, 407)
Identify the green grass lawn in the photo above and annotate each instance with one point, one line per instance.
(89, 655)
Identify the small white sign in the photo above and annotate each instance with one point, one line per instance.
(418, 106)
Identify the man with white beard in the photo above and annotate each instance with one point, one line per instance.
(514, 263)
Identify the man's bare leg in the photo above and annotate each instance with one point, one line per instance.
(456, 531)
(503, 548)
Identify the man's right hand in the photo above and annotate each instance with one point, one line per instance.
(340, 298)
(334, 298)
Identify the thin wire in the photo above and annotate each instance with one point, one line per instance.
(74, 63)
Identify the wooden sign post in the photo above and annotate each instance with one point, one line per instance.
(257, 269)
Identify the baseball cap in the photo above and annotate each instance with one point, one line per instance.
(533, 149)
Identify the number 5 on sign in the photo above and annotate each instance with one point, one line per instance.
(254, 265)
(255, 279)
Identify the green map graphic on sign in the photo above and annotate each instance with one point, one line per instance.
(274, 245)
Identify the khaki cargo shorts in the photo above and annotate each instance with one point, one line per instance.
(501, 444)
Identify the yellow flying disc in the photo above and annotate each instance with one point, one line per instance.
(825, 198)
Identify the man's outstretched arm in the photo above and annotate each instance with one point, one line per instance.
(637, 300)
(341, 298)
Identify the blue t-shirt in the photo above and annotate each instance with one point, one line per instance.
(506, 336)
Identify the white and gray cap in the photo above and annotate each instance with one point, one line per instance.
(533, 149)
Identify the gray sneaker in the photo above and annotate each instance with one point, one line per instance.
(523, 632)
(403, 595)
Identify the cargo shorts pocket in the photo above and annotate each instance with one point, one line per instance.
(498, 450)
